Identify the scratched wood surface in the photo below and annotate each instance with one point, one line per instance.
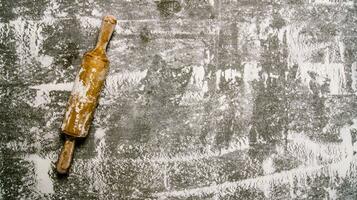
(205, 99)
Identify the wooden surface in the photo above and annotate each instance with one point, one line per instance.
(205, 99)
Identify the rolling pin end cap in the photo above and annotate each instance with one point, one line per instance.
(111, 19)
(62, 171)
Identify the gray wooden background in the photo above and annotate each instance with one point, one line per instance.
(205, 99)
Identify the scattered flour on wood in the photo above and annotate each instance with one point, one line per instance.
(243, 144)
(328, 71)
(44, 183)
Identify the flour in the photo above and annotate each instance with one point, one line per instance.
(341, 156)
(251, 72)
(300, 52)
(241, 144)
(44, 183)
(348, 3)
(197, 87)
(354, 77)
(284, 177)
(334, 73)
(43, 91)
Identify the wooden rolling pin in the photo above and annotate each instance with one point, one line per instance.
(85, 93)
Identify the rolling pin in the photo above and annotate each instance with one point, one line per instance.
(85, 93)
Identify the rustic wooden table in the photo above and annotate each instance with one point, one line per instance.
(205, 99)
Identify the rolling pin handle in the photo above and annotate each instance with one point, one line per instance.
(106, 31)
(65, 158)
